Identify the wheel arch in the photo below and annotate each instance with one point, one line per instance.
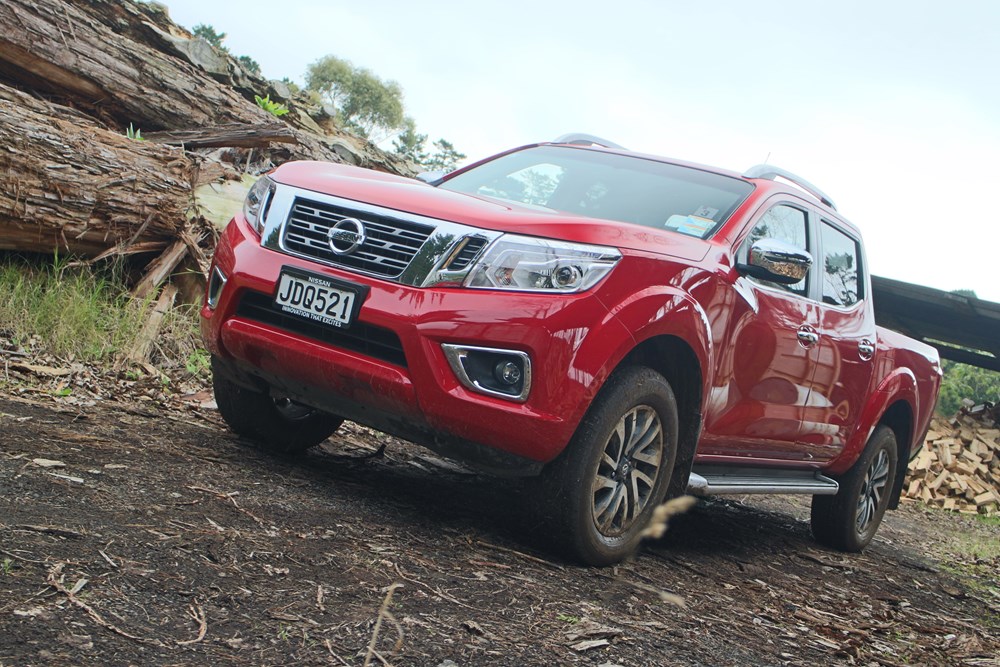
(673, 358)
(900, 418)
(898, 386)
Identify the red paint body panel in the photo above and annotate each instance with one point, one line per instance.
(767, 399)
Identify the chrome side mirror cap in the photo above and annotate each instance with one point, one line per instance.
(777, 261)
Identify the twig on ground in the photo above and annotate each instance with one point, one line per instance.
(384, 612)
(378, 655)
(435, 591)
(52, 530)
(55, 572)
(228, 496)
(329, 648)
(108, 558)
(534, 559)
(198, 614)
(22, 558)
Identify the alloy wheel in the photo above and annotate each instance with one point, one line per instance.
(627, 471)
(872, 489)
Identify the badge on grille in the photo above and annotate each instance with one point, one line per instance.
(346, 236)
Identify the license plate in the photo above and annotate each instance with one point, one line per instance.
(316, 298)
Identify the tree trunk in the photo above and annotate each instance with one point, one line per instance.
(72, 52)
(71, 186)
(128, 63)
(230, 135)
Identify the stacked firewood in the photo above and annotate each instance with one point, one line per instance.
(958, 467)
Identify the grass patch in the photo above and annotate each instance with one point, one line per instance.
(85, 314)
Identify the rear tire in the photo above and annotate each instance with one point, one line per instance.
(848, 520)
(599, 495)
(276, 425)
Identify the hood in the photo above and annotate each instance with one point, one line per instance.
(413, 196)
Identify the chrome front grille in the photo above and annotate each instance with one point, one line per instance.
(390, 243)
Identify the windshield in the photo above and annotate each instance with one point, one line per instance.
(608, 186)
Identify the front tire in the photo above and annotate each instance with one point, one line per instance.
(276, 425)
(848, 520)
(600, 493)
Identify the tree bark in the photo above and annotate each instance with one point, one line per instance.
(233, 134)
(69, 51)
(128, 63)
(74, 187)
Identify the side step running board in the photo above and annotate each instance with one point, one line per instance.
(727, 480)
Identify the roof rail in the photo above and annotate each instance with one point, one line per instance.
(769, 172)
(587, 140)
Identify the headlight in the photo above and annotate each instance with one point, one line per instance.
(530, 264)
(257, 201)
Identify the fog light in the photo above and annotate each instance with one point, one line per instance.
(507, 372)
(491, 371)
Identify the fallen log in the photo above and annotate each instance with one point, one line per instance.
(239, 135)
(73, 187)
(69, 49)
(125, 63)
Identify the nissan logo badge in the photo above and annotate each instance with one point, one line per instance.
(346, 236)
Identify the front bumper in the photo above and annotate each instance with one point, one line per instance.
(413, 393)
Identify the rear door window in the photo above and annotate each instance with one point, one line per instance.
(842, 283)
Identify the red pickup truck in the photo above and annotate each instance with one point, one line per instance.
(624, 327)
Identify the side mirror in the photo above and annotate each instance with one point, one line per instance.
(777, 261)
(431, 177)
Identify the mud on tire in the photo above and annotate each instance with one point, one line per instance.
(599, 494)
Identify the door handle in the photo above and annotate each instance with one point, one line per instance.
(866, 349)
(807, 337)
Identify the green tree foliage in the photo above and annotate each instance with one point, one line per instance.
(410, 144)
(962, 381)
(445, 157)
(331, 77)
(249, 64)
(375, 107)
(364, 102)
(209, 34)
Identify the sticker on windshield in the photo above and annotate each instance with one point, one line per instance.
(706, 212)
(692, 225)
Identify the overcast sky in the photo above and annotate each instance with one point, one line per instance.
(892, 107)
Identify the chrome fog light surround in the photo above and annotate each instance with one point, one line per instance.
(216, 281)
(492, 371)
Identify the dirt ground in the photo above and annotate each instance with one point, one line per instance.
(133, 534)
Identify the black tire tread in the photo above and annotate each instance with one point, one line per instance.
(254, 416)
(565, 510)
(832, 518)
